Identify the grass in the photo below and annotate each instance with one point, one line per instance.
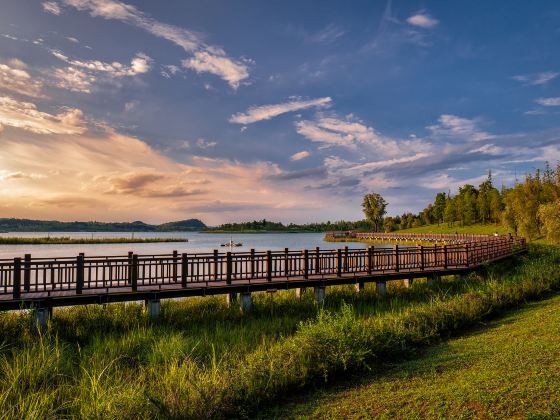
(203, 359)
(482, 229)
(509, 368)
(63, 240)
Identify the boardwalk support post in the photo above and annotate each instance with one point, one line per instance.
(433, 279)
(41, 317)
(153, 306)
(231, 298)
(359, 286)
(381, 288)
(246, 302)
(407, 282)
(300, 291)
(319, 293)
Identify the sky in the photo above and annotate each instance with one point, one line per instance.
(290, 111)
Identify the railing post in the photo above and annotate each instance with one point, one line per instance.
(305, 264)
(252, 263)
(396, 248)
(216, 265)
(286, 262)
(467, 255)
(27, 272)
(445, 257)
(370, 259)
(175, 266)
(269, 265)
(79, 274)
(184, 268)
(339, 262)
(345, 258)
(134, 272)
(129, 280)
(16, 281)
(228, 267)
(317, 260)
(421, 249)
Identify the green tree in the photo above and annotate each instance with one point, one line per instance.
(450, 214)
(549, 216)
(374, 206)
(439, 207)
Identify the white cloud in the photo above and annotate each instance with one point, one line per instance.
(207, 58)
(24, 115)
(140, 64)
(422, 20)
(452, 126)
(51, 7)
(14, 78)
(131, 105)
(216, 62)
(74, 79)
(72, 39)
(300, 155)
(537, 78)
(351, 133)
(554, 101)
(169, 70)
(266, 112)
(205, 144)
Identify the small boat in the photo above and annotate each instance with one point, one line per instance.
(231, 244)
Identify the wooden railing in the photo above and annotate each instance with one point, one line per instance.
(35, 278)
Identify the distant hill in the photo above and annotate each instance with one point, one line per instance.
(27, 225)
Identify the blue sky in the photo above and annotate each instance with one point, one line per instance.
(289, 110)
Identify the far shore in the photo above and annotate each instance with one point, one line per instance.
(67, 240)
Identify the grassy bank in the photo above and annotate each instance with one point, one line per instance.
(481, 229)
(510, 368)
(64, 240)
(202, 359)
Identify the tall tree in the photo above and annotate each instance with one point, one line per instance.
(439, 207)
(374, 207)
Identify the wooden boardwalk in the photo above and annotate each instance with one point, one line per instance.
(49, 282)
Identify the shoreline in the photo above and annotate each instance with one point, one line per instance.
(83, 241)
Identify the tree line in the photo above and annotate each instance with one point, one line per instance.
(530, 208)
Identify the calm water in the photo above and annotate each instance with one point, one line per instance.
(198, 242)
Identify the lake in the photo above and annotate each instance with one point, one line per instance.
(198, 242)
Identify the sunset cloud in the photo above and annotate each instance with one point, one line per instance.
(15, 79)
(25, 115)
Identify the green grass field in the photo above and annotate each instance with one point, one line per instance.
(507, 368)
(474, 229)
(203, 359)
